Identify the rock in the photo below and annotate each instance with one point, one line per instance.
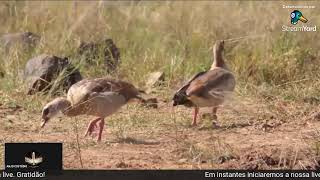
(183, 160)
(155, 79)
(41, 71)
(315, 116)
(150, 103)
(224, 158)
(122, 164)
(92, 52)
(11, 117)
(312, 100)
(25, 40)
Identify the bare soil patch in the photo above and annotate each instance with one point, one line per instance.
(251, 136)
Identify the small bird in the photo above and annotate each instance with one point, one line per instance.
(209, 88)
(33, 160)
(296, 16)
(98, 97)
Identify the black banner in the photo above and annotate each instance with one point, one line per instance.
(33, 156)
(163, 174)
(44, 161)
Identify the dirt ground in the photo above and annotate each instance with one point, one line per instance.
(253, 134)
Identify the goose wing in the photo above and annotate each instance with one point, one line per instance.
(180, 97)
(90, 95)
(82, 90)
(216, 82)
(186, 85)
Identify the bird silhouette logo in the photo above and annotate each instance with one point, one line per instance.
(33, 158)
(297, 16)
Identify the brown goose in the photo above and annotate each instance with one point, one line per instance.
(99, 97)
(209, 88)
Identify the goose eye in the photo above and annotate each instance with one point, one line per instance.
(293, 15)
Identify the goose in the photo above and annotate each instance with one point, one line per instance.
(208, 88)
(98, 97)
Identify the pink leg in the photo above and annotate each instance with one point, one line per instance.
(195, 114)
(101, 125)
(214, 112)
(91, 126)
(215, 117)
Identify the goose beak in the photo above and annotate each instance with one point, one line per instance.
(303, 19)
(44, 121)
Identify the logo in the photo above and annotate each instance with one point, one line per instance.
(297, 16)
(33, 158)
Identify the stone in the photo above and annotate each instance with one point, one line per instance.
(150, 103)
(91, 52)
(155, 79)
(41, 71)
(25, 40)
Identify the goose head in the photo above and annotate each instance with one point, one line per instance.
(53, 109)
(218, 51)
(296, 16)
(218, 46)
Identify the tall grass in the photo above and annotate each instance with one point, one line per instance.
(175, 37)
